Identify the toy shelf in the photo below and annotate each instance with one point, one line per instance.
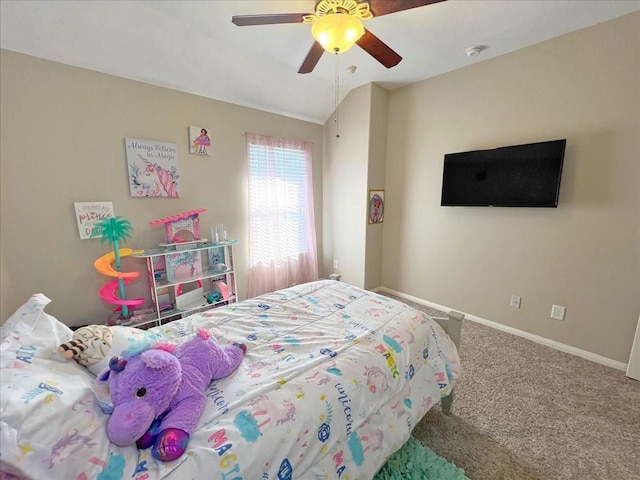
(186, 277)
(206, 273)
(192, 308)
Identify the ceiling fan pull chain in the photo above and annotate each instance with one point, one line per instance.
(337, 98)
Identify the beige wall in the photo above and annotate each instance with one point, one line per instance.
(62, 132)
(379, 113)
(346, 164)
(354, 163)
(585, 254)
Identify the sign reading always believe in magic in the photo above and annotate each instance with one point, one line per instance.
(153, 168)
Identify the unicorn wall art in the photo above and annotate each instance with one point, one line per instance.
(153, 168)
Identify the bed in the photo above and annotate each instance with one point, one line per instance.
(333, 381)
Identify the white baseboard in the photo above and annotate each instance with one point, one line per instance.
(514, 331)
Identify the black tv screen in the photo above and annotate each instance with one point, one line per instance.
(515, 176)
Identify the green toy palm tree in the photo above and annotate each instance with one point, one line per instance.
(115, 230)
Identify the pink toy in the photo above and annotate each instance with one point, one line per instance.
(181, 232)
(159, 394)
(115, 230)
(182, 227)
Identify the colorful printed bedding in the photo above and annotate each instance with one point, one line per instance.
(334, 380)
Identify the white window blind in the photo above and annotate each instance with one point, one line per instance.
(277, 196)
(281, 221)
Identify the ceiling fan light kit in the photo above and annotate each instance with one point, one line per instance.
(337, 25)
(337, 32)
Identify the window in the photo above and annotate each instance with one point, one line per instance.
(282, 239)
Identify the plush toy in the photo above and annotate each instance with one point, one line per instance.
(158, 395)
(94, 345)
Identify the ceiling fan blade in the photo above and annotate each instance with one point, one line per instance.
(310, 61)
(384, 7)
(267, 19)
(378, 49)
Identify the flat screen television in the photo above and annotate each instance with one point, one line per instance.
(515, 176)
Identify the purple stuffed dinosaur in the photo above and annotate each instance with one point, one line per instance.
(159, 394)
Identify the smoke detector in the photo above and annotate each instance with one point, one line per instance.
(473, 51)
(351, 69)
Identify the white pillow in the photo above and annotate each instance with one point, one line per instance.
(51, 421)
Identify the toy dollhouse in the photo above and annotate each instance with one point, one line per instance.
(181, 232)
(184, 227)
(187, 272)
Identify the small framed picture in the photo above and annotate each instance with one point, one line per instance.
(376, 206)
(88, 214)
(199, 141)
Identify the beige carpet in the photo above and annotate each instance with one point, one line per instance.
(524, 411)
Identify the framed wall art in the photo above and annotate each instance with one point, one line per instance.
(199, 141)
(88, 214)
(153, 168)
(376, 206)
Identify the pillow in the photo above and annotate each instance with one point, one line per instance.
(51, 421)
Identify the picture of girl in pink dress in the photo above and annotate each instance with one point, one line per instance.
(201, 143)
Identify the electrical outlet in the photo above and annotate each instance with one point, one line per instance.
(557, 312)
(515, 301)
(335, 264)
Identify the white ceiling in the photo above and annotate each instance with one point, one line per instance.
(192, 46)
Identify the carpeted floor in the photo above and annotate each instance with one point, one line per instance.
(524, 411)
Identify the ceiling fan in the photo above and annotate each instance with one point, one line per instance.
(337, 25)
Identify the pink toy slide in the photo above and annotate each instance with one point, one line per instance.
(108, 292)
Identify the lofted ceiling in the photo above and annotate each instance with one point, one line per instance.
(192, 46)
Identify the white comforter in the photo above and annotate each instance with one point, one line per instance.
(334, 380)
